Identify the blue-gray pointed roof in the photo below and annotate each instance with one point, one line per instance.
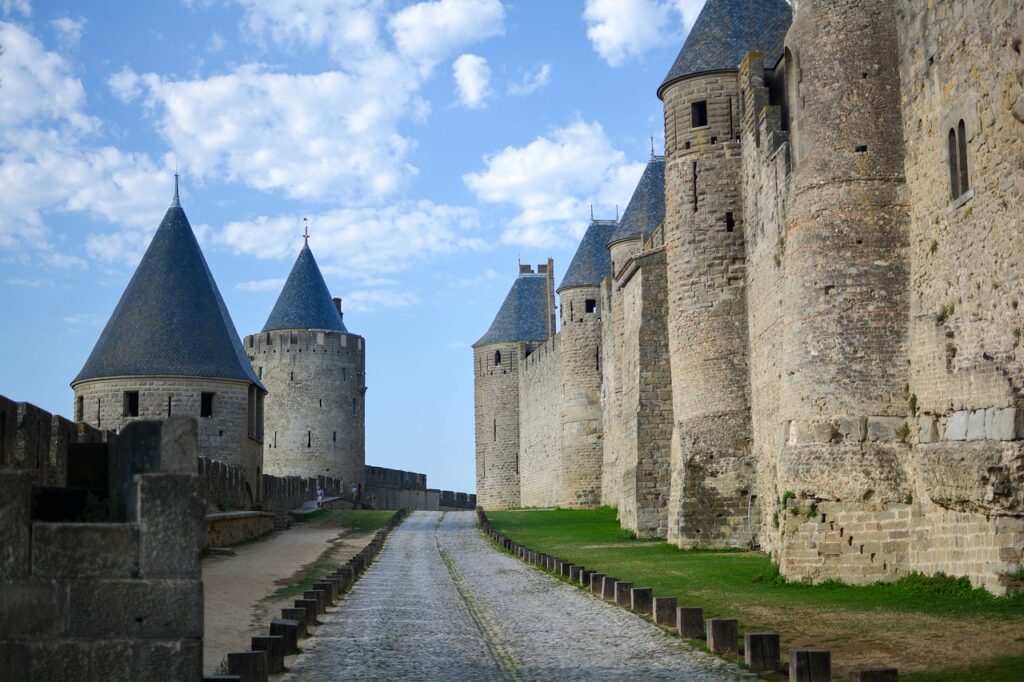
(305, 302)
(524, 314)
(592, 262)
(171, 319)
(646, 209)
(726, 31)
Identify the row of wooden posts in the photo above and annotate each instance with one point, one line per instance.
(267, 654)
(761, 650)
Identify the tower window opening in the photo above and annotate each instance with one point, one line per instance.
(861, 149)
(267, 339)
(495, 438)
(294, 338)
(99, 413)
(714, 140)
(291, 376)
(321, 402)
(206, 405)
(334, 436)
(251, 341)
(131, 404)
(730, 222)
(353, 405)
(699, 114)
(259, 371)
(344, 373)
(168, 406)
(597, 359)
(959, 177)
(497, 357)
(79, 408)
(591, 305)
(694, 186)
(309, 439)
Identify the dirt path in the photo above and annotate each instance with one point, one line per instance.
(236, 588)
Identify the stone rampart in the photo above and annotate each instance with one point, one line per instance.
(540, 426)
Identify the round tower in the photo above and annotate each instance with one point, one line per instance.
(526, 318)
(170, 348)
(579, 296)
(315, 372)
(713, 471)
(846, 270)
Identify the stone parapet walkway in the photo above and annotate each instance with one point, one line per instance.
(441, 603)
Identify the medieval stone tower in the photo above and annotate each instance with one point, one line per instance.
(314, 370)
(170, 348)
(713, 471)
(526, 319)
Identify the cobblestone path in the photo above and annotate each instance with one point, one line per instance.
(441, 603)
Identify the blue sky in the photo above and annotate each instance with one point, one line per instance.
(430, 144)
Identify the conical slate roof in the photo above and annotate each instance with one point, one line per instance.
(524, 314)
(646, 209)
(726, 30)
(171, 319)
(592, 262)
(305, 302)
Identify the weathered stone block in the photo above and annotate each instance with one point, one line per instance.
(274, 647)
(1005, 424)
(179, 445)
(82, 661)
(250, 666)
(168, 609)
(15, 514)
(642, 600)
(761, 651)
(810, 665)
(976, 425)
(875, 675)
(884, 428)
(173, 660)
(622, 593)
(85, 550)
(665, 611)
(690, 622)
(30, 609)
(723, 635)
(16, 657)
(289, 631)
(171, 519)
(928, 429)
(956, 426)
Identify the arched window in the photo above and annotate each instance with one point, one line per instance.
(959, 175)
(497, 357)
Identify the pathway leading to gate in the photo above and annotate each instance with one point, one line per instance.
(441, 603)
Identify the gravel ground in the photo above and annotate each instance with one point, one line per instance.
(441, 603)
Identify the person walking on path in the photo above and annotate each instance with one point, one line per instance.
(319, 497)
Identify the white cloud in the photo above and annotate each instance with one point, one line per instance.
(468, 282)
(368, 300)
(552, 180)
(32, 283)
(217, 42)
(361, 242)
(125, 84)
(472, 80)
(273, 284)
(11, 6)
(69, 31)
(621, 30)
(429, 32)
(532, 81)
(46, 161)
(347, 29)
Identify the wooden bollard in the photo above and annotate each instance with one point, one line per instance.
(608, 588)
(584, 578)
(642, 600)
(250, 666)
(690, 622)
(289, 630)
(274, 646)
(574, 573)
(597, 583)
(320, 597)
(304, 612)
(761, 651)
(623, 588)
(722, 635)
(665, 611)
(566, 569)
(875, 675)
(810, 665)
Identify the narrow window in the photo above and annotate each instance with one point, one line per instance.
(730, 222)
(267, 340)
(275, 439)
(591, 305)
(79, 408)
(694, 186)
(168, 406)
(961, 136)
(291, 376)
(99, 421)
(344, 373)
(309, 439)
(251, 341)
(495, 430)
(294, 338)
(861, 149)
(321, 402)
(353, 405)
(497, 357)
(260, 372)
(131, 404)
(206, 405)
(731, 128)
(334, 437)
(251, 412)
(954, 172)
(597, 359)
(699, 114)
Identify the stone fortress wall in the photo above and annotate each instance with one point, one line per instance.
(315, 412)
(839, 306)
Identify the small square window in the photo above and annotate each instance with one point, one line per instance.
(699, 114)
(206, 405)
(591, 305)
(131, 404)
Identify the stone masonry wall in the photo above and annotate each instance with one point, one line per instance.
(712, 468)
(315, 421)
(225, 436)
(114, 600)
(496, 410)
(646, 396)
(540, 425)
(582, 450)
